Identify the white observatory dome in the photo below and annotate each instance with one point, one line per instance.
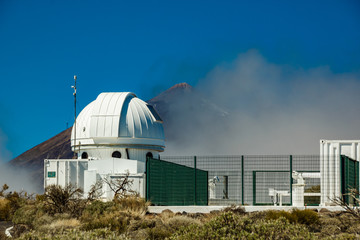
(117, 120)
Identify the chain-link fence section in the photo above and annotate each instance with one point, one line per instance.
(257, 180)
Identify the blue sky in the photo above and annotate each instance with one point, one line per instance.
(148, 46)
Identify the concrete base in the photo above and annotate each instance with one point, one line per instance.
(208, 209)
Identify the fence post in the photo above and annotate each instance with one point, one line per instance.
(291, 180)
(194, 180)
(147, 172)
(242, 179)
(254, 188)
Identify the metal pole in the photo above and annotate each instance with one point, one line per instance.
(242, 180)
(194, 180)
(291, 180)
(254, 188)
(147, 182)
(74, 87)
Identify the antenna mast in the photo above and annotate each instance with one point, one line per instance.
(74, 87)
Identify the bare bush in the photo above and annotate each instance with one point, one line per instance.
(95, 191)
(66, 199)
(11, 201)
(120, 186)
(3, 189)
(350, 208)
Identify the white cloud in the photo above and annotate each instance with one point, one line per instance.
(273, 109)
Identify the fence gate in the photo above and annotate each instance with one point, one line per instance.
(349, 177)
(172, 184)
(268, 185)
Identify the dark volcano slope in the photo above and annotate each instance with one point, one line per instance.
(178, 106)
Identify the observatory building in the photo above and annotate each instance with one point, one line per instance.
(112, 135)
(119, 134)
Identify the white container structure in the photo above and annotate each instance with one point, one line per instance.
(114, 135)
(330, 168)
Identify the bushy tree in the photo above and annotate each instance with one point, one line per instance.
(68, 199)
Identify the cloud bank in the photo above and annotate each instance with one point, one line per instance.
(272, 109)
(17, 179)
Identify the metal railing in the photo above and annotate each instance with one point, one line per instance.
(255, 180)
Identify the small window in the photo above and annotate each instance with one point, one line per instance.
(84, 155)
(154, 113)
(116, 154)
(149, 155)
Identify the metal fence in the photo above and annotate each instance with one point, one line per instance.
(174, 184)
(255, 180)
(349, 174)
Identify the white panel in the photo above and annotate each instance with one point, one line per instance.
(101, 127)
(105, 104)
(73, 172)
(138, 184)
(330, 151)
(130, 124)
(140, 167)
(113, 166)
(115, 126)
(98, 104)
(51, 166)
(108, 126)
(83, 166)
(93, 126)
(124, 165)
(112, 105)
(62, 173)
(90, 180)
(345, 149)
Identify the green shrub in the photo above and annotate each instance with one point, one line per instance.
(42, 221)
(273, 215)
(10, 202)
(132, 203)
(177, 222)
(231, 226)
(98, 234)
(307, 216)
(25, 215)
(235, 209)
(160, 231)
(115, 221)
(135, 225)
(94, 210)
(5, 209)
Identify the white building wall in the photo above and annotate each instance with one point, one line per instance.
(106, 152)
(330, 152)
(85, 173)
(64, 171)
(140, 154)
(116, 166)
(90, 178)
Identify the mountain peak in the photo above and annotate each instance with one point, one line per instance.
(174, 92)
(183, 85)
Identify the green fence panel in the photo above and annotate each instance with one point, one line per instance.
(349, 176)
(263, 181)
(201, 187)
(171, 184)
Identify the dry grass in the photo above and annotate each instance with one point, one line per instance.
(127, 218)
(65, 223)
(4, 209)
(177, 222)
(166, 214)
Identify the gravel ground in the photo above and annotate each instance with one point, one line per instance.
(3, 226)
